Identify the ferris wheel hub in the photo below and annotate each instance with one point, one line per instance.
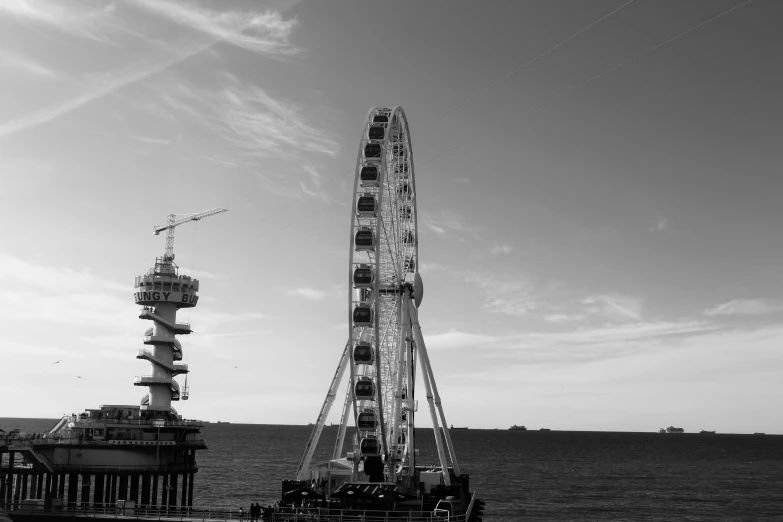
(418, 290)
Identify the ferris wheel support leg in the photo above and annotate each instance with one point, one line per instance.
(444, 464)
(428, 373)
(338, 444)
(396, 411)
(410, 409)
(304, 464)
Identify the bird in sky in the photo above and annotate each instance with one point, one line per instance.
(78, 376)
(57, 362)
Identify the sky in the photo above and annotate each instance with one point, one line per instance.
(598, 189)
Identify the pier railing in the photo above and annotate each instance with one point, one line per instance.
(172, 513)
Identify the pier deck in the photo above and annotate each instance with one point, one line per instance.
(17, 512)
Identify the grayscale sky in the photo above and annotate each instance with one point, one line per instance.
(600, 232)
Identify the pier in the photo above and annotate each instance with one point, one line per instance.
(141, 461)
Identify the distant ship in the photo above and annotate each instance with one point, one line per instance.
(661, 430)
(544, 429)
(672, 429)
(705, 432)
(515, 427)
(223, 422)
(458, 427)
(759, 433)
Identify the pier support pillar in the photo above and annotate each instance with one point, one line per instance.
(113, 494)
(190, 489)
(48, 487)
(164, 490)
(54, 485)
(154, 490)
(18, 488)
(107, 489)
(33, 486)
(39, 487)
(173, 490)
(183, 501)
(25, 478)
(134, 488)
(9, 488)
(85, 489)
(61, 487)
(73, 482)
(98, 494)
(122, 491)
(145, 489)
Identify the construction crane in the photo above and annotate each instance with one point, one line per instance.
(175, 220)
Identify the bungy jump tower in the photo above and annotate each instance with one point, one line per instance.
(129, 456)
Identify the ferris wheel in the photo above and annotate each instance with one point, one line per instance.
(385, 350)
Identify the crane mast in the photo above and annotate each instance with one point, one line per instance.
(175, 220)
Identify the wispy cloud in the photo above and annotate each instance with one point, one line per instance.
(93, 92)
(520, 301)
(35, 276)
(562, 318)
(615, 307)
(501, 250)
(307, 293)
(264, 126)
(661, 225)
(576, 345)
(456, 339)
(449, 224)
(13, 61)
(28, 297)
(312, 186)
(82, 19)
(509, 294)
(428, 268)
(265, 32)
(747, 307)
(249, 118)
(522, 295)
(150, 140)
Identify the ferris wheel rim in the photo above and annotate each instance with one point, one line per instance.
(403, 169)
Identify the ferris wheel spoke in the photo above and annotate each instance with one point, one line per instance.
(395, 260)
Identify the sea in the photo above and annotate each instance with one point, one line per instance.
(527, 475)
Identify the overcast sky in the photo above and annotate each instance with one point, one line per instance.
(600, 227)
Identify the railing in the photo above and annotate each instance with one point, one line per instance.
(280, 514)
(185, 468)
(177, 326)
(152, 379)
(88, 422)
(78, 442)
